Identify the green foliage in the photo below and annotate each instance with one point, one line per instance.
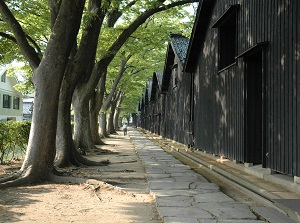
(13, 139)
(34, 17)
(23, 74)
(147, 45)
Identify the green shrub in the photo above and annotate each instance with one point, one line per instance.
(13, 139)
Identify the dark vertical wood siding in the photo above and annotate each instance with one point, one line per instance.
(220, 100)
(220, 112)
(176, 115)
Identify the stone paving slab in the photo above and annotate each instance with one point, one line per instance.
(212, 198)
(174, 193)
(226, 221)
(184, 212)
(177, 201)
(182, 195)
(180, 220)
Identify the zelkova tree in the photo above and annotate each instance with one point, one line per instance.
(85, 89)
(147, 46)
(113, 104)
(116, 114)
(61, 57)
(130, 100)
(47, 78)
(80, 62)
(107, 100)
(80, 67)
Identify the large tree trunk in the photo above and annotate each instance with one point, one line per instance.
(95, 106)
(94, 116)
(80, 64)
(117, 112)
(110, 120)
(102, 124)
(38, 163)
(64, 140)
(116, 119)
(82, 133)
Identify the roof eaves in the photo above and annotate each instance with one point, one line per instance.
(200, 28)
(180, 45)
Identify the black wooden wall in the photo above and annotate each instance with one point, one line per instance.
(249, 111)
(176, 102)
(222, 99)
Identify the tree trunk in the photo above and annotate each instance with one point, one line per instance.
(95, 106)
(117, 112)
(110, 122)
(80, 63)
(64, 139)
(90, 83)
(102, 125)
(94, 114)
(116, 119)
(107, 102)
(38, 162)
(113, 105)
(82, 133)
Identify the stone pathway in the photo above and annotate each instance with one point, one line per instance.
(182, 195)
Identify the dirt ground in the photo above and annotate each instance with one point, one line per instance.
(125, 197)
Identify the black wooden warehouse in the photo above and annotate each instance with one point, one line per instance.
(240, 89)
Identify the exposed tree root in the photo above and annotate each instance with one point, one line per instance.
(28, 177)
(76, 159)
(89, 183)
(23, 177)
(101, 143)
(10, 178)
(104, 151)
(21, 181)
(66, 179)
(88, 162)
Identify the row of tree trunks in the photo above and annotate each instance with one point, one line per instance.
(54, 88)
(113, 104)
(81, 64)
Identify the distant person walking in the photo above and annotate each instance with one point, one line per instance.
(125, 129)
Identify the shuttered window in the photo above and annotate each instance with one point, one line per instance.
(6, 101)
(16, 103)
(227, 27)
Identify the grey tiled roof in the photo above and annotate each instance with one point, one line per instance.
(180, 46)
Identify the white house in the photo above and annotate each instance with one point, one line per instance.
(28, 101)
(11, 105)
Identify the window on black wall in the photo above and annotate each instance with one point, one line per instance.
(227, 27)
(227, 43)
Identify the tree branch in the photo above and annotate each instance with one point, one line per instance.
(7, 36)
(37, 47)
(26, 49)
(54, 7)
(135, 24)
(13, 39)
(122, 69)
(102, 64)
